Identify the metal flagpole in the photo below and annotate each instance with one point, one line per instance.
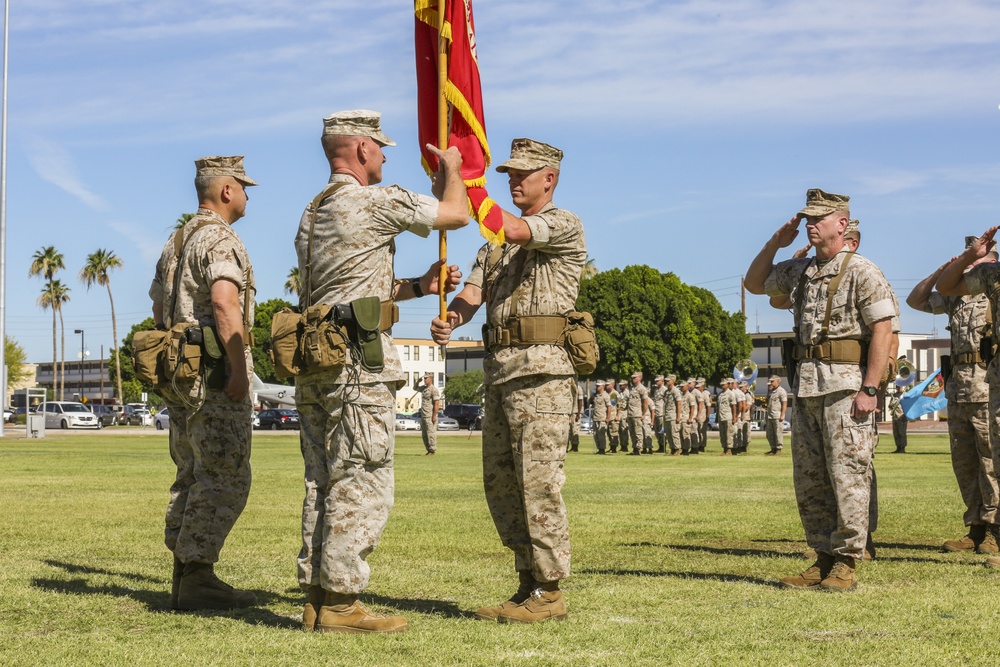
(3, 212)
(442, 70)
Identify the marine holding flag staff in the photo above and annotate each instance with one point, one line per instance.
(345, 245)
(957, 279)
(528, 285)
(843, 323)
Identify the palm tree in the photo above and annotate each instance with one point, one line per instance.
(96, 270)
(53, 296)
(45, 263)
(183, 220)
(590, 268)
(293, 285)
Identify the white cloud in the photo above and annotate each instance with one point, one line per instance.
(55, 165)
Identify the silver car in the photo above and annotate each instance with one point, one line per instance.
(68, 414)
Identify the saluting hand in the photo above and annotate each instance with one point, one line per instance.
(981, 246)
(787, 232)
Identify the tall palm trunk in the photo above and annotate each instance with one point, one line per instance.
(114, 332)
(55, 357)
(62, 362)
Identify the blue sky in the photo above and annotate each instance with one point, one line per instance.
(692, 130)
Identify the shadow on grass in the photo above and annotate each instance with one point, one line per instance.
(700, 576)
(421, 606)
(159, 601)
(721, 551)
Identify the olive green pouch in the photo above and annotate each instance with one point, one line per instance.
(367, 314)
(214, 361)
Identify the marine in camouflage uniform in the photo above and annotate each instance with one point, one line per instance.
(968, 395)
(638, 407)
(210, 426)
(614, 424)
(671, 421)
(657, 396)
(704, 409)
(843, 310)
(747, 416)
(348, 414)
(600, 408)
(777, 405)
(430, 405)
(687, 401)
(623, 397)
(725, 408)
(527, 284)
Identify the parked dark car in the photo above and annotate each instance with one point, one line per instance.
(464, 413)
(106, 414)
(279, 418)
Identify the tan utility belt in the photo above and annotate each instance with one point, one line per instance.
(526, 330)
(967, 358)
(832, 352)
(390, 314)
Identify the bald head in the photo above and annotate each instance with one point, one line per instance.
(360, 157)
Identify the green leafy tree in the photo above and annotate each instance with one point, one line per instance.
(45, 262)
(262, 338)
(99, 264)
(652, 322)
(121, 369)
(464, 387)
(15, 359)
(180, 222)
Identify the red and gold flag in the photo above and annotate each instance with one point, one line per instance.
(467, 126)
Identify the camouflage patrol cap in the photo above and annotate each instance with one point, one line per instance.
(690, 380)
(528, 155)
(672, 377)
(773, 378)
(599, 383)
(852, 228)
(819, 203)
(357, 123)
(428, 374)
(701, 382)
(636, 374)
(744, 383)
(658, 378)
(221, 165)
(726, 381)
(623, 381)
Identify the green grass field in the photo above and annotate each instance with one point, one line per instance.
(674, 562)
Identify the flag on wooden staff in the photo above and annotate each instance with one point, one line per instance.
(462, 90)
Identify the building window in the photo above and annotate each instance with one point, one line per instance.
(416, 353)
(430, 353)
(406, 353)
(440, 379)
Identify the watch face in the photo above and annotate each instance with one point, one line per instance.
(871, 391)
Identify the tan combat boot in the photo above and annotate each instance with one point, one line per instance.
(314, 600)
(989, 543)
(545, 604)
(344, 614)
(976, 534)
(841, 577)
(812, 576)
(200, 589)
(175, 584)
(524, 588)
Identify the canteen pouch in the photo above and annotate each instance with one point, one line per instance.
(287, 327)
(580, 342)
(788, 360)
(324, 345)
(367, 314)
(147, 348)
(182, 355)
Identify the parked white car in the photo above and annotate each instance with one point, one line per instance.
(162, 419)
(68, 414)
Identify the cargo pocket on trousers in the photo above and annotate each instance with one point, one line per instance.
(547, 434)
(859, 443)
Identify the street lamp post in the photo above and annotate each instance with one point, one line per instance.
(83, 355)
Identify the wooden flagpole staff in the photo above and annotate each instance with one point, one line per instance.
(443, 131)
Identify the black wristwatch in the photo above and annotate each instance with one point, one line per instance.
(869, 389)
(415, 285)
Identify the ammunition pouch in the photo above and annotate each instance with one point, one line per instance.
(845, 351)
(323, 346)
(574, 332)
(580, 342)
(213, 359)
(946, 367)
(182, 354)
(286, 335)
